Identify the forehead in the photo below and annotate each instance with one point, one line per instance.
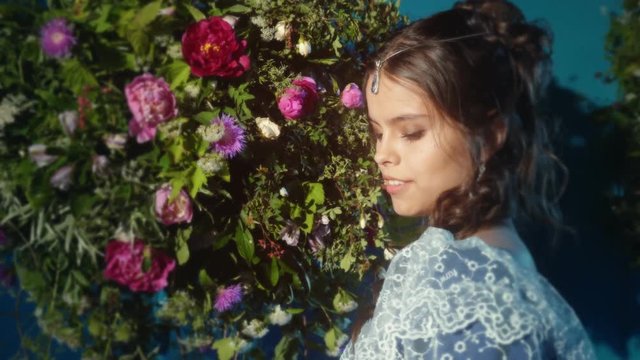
(395, 98)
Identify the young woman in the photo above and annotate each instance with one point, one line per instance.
(452, 101)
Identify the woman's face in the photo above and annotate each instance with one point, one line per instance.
(418, 153)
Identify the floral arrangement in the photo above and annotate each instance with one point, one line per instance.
(624, 54)
(189, 177)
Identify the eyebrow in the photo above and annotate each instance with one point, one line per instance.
(401, 118)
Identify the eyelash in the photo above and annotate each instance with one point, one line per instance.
(410, 137)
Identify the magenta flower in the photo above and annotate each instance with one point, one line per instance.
(56, 38)
(300, 99)
(351, 96)
(124, 265)
(151, 103)
(228, 297)
(177, 211)
(233, 140)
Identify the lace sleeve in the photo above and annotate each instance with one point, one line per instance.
(446, 300)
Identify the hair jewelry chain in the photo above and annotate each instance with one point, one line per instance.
(379, 63)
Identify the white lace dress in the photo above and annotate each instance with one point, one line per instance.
(463, 299)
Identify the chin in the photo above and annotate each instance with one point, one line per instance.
(407, 212)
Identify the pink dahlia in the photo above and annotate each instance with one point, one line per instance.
(228, 297)
(56, 38)
(233, 140)
(124, 265)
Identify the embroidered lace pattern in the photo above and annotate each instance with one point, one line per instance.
(463, 299)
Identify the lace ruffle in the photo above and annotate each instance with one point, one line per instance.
(445, 298)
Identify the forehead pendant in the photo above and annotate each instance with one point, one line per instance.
(375, 83)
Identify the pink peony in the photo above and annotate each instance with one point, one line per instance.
(351, 96)
(300, 99)
(178, 211)
(124, 265)
(151, 102)
(56, 38)
(211, 48)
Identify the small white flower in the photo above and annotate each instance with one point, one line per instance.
(211, 163)
(99, 164)
(168, 11)
(380, 221)
(38, 153)
(69, 121)
(324, 220)
(268, 129)
(363, 221)
(303, 47)
(231, 20)
(175, 51)
(290, 233)
(282, 28)
(61, 179)
(115, 141)
(259, 21)
(211, 133)
(345, 307)
(284, 192)
(192, 90)
(388, 254)
(254, 329)
(124, 234)
(279, 316)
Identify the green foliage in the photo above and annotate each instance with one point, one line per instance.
(318, 172)
(623, 49)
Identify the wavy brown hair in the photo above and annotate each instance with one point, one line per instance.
(475, 83)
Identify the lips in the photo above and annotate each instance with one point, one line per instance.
(393, 186)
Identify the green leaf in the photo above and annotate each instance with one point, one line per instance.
(205, 117)
(176, 149)
(225, 348)
(81, 204)
(337, 45)
(182, 245)
(237, 9)
(347, 261)
(139, 40)
(274, 273)
(197, 180)
(177, 73)
(286, 349)
(176, 185)
(76, 76)
(205, 280)
(80, 278)
(197, 14)
(330, 338)
(329, 61)
(315, 195)
(295, 311)
(244, 242)
(146, 15)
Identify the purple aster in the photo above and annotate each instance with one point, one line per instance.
(56, 38)
(232, 142)
(228, 297)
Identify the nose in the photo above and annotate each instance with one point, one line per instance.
(385, 153)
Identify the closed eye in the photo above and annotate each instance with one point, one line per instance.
(414, 136)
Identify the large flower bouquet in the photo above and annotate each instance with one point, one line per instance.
(188, 177)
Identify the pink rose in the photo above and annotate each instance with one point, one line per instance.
(124, 265)
(300, 99)
(210, 47)
(151, 102)
(351, 96)
(178, 211)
